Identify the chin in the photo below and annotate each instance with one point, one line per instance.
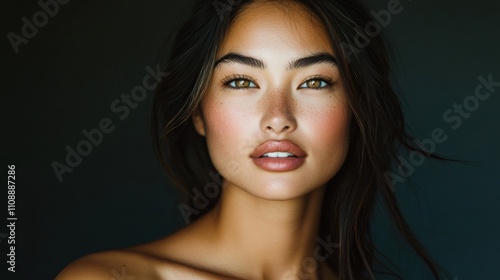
(280, 189)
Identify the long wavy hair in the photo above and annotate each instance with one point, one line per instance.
(377, 129)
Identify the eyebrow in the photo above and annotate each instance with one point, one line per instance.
(313, 59)
(303, 62)
(239, 58)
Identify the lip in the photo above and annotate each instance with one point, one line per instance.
(278, 164)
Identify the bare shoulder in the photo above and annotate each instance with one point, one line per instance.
(181, 255)
(109, 265)
(155, 260)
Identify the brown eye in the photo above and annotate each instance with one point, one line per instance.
(240, 84)
(315, 84)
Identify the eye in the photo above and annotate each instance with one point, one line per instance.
(239, 82)
(316, 83)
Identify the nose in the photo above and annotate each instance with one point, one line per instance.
(278, 114)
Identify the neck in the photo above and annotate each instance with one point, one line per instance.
(269, 239)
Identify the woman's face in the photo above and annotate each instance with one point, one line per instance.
(275, 116)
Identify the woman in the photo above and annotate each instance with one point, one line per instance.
(301, 124)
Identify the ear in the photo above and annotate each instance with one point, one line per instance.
(198, 122)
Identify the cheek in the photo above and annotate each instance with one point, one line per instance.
(225, 129)
(329, 129)
(335, 123)
(228, 138)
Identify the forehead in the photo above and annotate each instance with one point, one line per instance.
(284, 26)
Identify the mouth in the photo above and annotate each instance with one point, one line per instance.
(278, 149)
(278, 156)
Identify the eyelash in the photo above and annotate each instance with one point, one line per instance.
(230, 79)
(328, 81)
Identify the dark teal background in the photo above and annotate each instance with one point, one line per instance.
(65, 79)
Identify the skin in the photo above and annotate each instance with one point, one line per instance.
(266, 223)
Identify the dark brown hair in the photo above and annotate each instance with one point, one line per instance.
(377, 130)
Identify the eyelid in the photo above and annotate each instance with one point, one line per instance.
(228, 79)
(329, 82)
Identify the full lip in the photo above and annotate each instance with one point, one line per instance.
(278, 146)
(278, 164)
